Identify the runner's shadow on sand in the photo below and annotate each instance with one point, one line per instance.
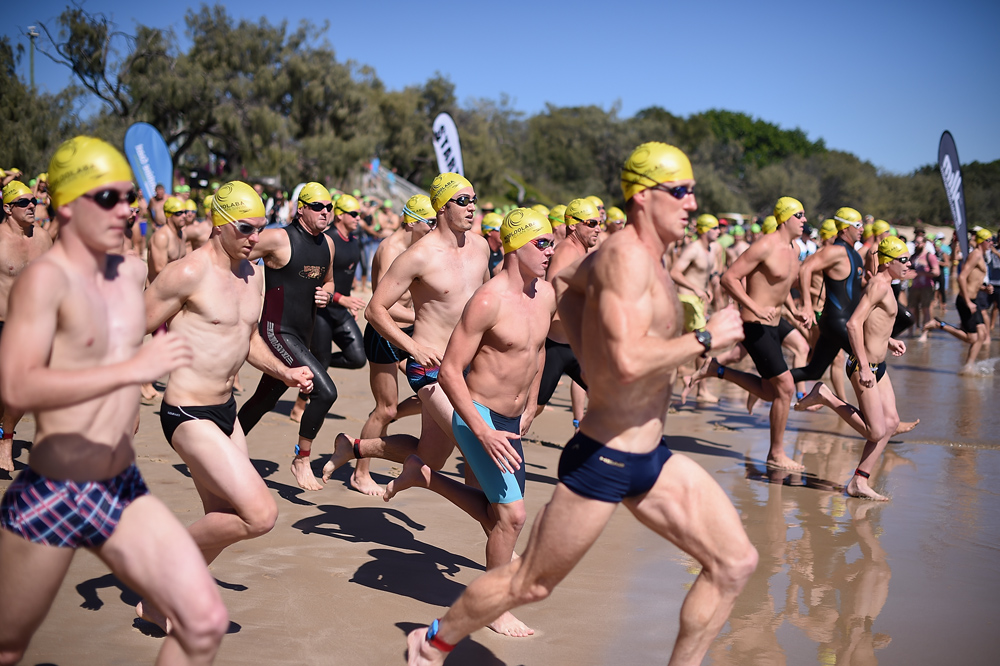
(412, 575)
(384, 526)
(466, 652)
(266, 468)
(759, 471)
(693, 445)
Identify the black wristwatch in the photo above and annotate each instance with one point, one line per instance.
(705, 338)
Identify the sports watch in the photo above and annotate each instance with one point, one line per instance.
(705, 338)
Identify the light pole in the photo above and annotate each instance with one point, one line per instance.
(32, 34)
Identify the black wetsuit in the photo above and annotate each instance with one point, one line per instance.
(335, 323)
(559, 360)
(904, 318)
(496, 258)
(842, 296)
(287, 323)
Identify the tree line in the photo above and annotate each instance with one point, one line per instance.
(267, 100)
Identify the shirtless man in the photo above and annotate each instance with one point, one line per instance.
(21, 242)
(769, 268)
(583, 226)
(167, 243)
(972, 301)
(621, 313)
(500, 339)
(384, 357)
(558, 220)
(298, 278)
(156, 214)
(692, 273)
(490, 226)
(72, 354)
(441, 271)
(196, 232)
(870, 328)
(739, 246)
(212, 298)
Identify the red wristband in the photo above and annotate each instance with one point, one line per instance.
(336, 297)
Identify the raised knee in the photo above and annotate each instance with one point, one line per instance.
(514, 518)
(263, 519)
(201, 629)
(737, 569)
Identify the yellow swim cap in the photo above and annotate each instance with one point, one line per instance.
(207, 203)
(846, 217)
(596, 201)
(312, 193)
(982, 235)
(785, 208)
(492, 222)
(891, 247)
(541, 209)
(880, 227)
(580, 210)
(444, 187)
(770, 224)
(556, 216)
(418, 209)
(346, 204)
(651, 164)
(828, 229)
(190, 205)
(615, 214)
(82, 164)
(706, 222)
(236, 201)
(42, 177)
(14, 190)
(522, 225)
(866, 232)
(172, 206)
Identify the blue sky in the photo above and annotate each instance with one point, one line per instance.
(879, 79)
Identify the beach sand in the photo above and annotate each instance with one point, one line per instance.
(343, 577)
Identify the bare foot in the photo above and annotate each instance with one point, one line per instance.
(7, 454)
(421, 653)
(150, 613)
(858, 487)
(363, 483)
(704, 395)
(304, 475)
(930, 326)
(813, 400)
(923, 337)
(686, 390)
(343, 450)
(784, 462)
(508, 625)
(751, 403)
(906, 426)
(149, 394)
(297, 409)
(415, 473)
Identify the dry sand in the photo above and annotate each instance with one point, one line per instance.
(343, 577)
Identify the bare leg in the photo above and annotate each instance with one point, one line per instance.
(578, 400)
(563, 532)
(878, 405)
(783, 389)
(797, 344)
(977, 340)
(821, 396)
(837, 375)
(688, 508)
(382, 377)
(499, 552)
(297, 409)
(30, 576)
(301, 469)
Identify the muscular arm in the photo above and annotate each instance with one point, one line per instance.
(396, 281)
(158, 248)
(273, 247)
(167, 294)
(968, 291)
(732, 279)
(681, 265)
(26, 380)
(480, 315)
(825, 258)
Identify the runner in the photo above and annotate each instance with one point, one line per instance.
(500, 339)
(441, 271)
(769, 268)
(491, 231)
(196, 232)
(298, 278)
(583, 219)
(72, 354)
(558, 220)
(972, 302)
(870, 328)
(921, 294)
(21, 242)
(622, 314)
(384, 357)
(167, 243)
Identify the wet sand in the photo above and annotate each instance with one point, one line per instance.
(343, 577)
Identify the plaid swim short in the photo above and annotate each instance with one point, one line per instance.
(68, 514)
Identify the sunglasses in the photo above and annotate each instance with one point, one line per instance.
(319, 207)
(800, 215)
(678, 192)
(590, 223)
(543, 243)
(246, 229)
(24, 203)
(464, 200)
(352, 213)
(108, 199)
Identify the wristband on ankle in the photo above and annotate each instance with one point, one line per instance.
(6, 435)
(299, 451)
(720, 371)
(799, 395)
(576, 424)
(433, 639)
(862, 474)
(357, 449)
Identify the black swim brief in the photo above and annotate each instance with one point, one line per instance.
(591, 469)
(223, 416)
(972, 320)
(877, 368)
(380, 350)
(763, 344)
